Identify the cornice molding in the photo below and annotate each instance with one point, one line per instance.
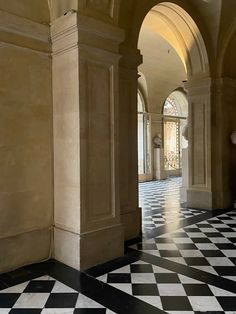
(24, 33)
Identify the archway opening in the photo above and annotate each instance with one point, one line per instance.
(173, 53)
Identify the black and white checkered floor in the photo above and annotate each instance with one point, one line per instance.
(160, 203)
(185, 263)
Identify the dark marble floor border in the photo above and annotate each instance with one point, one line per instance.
(108, 296)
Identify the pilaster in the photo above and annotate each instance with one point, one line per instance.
(199, 194)
(86, 137)
(130, 212)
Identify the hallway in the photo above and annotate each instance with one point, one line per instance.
(184, 263)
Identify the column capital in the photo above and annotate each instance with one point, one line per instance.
(74, 30)
(130, 58)
(198, 86)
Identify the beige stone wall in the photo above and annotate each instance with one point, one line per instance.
(26, 180)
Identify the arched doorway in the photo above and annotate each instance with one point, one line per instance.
(180, 31)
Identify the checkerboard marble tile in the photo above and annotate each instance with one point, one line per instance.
(170, 291)
(156, 194)
(169, 216)
(160, 203)
(208, 245)
(47, 296)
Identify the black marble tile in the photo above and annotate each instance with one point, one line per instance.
(178, 303)
(186, 246)
(225, 271)
(90, 311)
(167, 278)
(141, 268)
(196, 261)
(172, 253)
(40, 286)
(145, 289)
(25, 311)
(225, 246)
(201, 240)
(7, 300)
(212, 253)
(119, 278)
(197, 290)
(227, 303)
(61, 300)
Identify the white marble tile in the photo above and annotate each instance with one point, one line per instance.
(143, 278)
(229, 234)
(153, 300)
(171, 289)
(60, 287)
(221, 292)
(161, 270)
(57, 311)
(230, 277)
(85, 302)
(229, 253)
(182, 240)
(206, 246)
(220, 240)
(208, 230)
(166, 246)
(185, 279)
(140, 262)
(219, 261)
(126, 287)
(196, 235)
(32, 300)
(102, 278)
(177, 260)
(204, 304)
(16, 289)
(46, 277)
(191, 253)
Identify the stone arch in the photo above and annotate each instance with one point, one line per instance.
(177, 27)
(227, 66)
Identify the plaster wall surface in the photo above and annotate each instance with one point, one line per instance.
(26, 180)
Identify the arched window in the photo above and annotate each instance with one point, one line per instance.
(173, 110)
(169, 108)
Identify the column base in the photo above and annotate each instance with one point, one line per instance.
(199, 199)
(82, 251)
(132, 222)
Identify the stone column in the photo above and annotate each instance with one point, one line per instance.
(86, 157)
(130, 212)
(212, 162)
(199, 194)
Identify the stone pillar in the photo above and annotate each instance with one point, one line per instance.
(185, 177)
(223, 151)
(199, 194)
(158, 164)
(85, 106)
(130, 212)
